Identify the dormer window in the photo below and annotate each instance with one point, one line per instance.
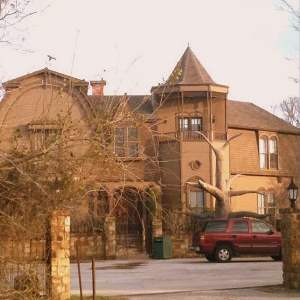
(126, 142)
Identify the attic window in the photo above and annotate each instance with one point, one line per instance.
(42, 136)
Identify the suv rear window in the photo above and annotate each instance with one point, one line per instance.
(216, 226)
(240, 226)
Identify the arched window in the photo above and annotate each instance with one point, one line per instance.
(271, 204)
(196, 199)
(266, 203)
(261, 203)
(273, 151)
(263, 152)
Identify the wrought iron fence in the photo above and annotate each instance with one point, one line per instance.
(30, 275)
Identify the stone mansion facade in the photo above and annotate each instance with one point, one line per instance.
(165, 152)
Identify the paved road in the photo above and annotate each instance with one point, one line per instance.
(134, 277)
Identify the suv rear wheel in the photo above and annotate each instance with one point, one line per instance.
(210, 257)
(223, 253)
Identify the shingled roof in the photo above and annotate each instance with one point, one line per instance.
(137, 103)
(243, 115)
(189, 71)
(247, 115)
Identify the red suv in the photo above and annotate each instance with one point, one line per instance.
(222, 239)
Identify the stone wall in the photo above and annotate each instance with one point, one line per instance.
(290, 229)
(22, 250)
(180, 247)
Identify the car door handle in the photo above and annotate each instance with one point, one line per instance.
(254, 236)
(234, 236)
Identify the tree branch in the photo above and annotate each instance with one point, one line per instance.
(231, 139)
(208, 188)
(291, 9)
(216, 151)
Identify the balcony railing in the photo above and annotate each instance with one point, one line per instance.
(191, 136)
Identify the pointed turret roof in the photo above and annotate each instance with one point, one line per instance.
(189, 71)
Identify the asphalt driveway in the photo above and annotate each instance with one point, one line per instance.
(145, 276)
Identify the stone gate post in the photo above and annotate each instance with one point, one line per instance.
(290, 230)
(59, 259)
(110, 237)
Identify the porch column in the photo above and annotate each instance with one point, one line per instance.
(110, 230)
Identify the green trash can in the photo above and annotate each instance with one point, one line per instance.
(162, 247)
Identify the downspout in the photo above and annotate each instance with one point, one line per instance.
(210, 136)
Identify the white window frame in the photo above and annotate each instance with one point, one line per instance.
(261, 203)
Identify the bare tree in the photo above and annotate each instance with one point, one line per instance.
(34, 181)
(12, 13)
(289, 7)
(290, 108)
(222, 189)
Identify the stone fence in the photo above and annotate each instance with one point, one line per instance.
(290, 230)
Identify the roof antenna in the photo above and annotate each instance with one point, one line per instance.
(74, 52)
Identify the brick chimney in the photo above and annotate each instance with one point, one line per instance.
(98, 87)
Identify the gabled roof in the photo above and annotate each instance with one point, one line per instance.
(41, 71)
(246, 115)
(189, 71)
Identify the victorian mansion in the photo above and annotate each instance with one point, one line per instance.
(163, 152)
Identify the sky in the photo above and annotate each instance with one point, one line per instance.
(248, 45)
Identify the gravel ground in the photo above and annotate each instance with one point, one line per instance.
(182, 278)
(265, 293)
